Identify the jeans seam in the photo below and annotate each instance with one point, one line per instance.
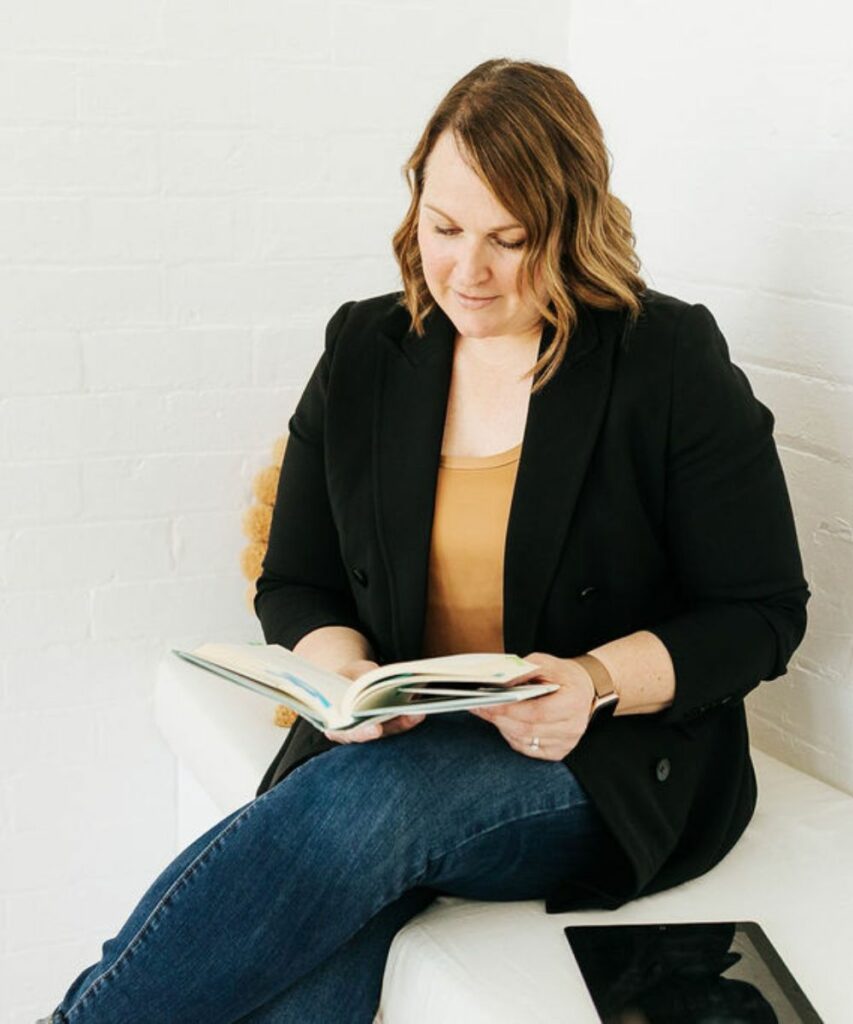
(135, 942)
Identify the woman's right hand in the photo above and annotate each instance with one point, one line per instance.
(370, 730)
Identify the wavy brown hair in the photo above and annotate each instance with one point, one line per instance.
(531, 136)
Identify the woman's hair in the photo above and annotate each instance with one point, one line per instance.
(532, 137)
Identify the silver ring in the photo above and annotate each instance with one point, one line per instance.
(534, 743)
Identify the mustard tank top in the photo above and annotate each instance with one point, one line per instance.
(464, 609)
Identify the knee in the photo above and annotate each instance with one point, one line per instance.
(359, 801)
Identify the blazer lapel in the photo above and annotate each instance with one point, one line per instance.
(563, 422)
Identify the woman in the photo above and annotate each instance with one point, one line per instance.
(622, 521)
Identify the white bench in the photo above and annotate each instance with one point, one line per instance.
(501, 963)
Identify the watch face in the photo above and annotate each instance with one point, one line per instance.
(604, 706)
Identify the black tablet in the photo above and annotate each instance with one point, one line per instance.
(700, 973)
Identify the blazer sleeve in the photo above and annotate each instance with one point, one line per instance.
(303, 584)
(730, 531)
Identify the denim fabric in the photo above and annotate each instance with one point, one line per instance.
(285, 910)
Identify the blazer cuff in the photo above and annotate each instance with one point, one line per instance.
(720, 652)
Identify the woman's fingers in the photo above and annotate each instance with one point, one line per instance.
(402, 723)
(374, 730)
(359, 735)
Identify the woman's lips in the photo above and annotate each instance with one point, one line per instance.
(473, 303)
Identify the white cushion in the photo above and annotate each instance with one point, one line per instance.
(501, 963)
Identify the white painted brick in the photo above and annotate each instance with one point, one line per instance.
(350, 278)
(200, 230)
(771, 255)
(814, 412)
(41, 230)
(39, 362)
(834, 766)
(52, 738)
(180, 358)
(785, 332)
(238, 295)
(98, 909)
(285, 357)
(7, 766)
(114, 230)
(5, 540)
(208, 542)
(47, 426)
(164, 607)
(198, 812)
(106, 795)
(124, 423)
(87, 25)
(28, 619)
(129, 726)
(219, 162)
(160, 484)
(84, 297)
(69, 160)
(164, 93)
(83, 675)
(318, 229)
(822, 498)
(86, 554)
(34, 89)
(156, 229)
(370, 165)
(40, 977)
(121, 231)
(291, 32)
(294, 99)
(453, 43)
(341, 99)
(43, 492)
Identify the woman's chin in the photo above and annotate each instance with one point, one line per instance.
(476, 324)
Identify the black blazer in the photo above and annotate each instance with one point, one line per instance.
(649, 495)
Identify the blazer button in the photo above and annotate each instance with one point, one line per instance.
(587, 593)
(360, 575)
(662, 769)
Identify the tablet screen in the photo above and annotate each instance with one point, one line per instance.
(700, 973)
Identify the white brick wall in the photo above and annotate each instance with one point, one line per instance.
(187, 192)
(732, 142)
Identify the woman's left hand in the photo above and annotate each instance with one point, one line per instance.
(559, 719)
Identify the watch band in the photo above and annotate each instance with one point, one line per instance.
(606, 698)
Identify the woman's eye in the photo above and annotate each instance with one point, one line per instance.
(503, 245)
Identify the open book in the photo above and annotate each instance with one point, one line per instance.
(331, 701)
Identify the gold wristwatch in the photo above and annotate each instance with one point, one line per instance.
(606, 698)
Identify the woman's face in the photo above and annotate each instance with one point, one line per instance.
(471, 249)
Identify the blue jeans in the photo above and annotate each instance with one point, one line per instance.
(286, 909)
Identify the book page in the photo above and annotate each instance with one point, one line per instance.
(281, 668)
(493, 667)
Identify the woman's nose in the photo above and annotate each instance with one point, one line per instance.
(472, 265)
